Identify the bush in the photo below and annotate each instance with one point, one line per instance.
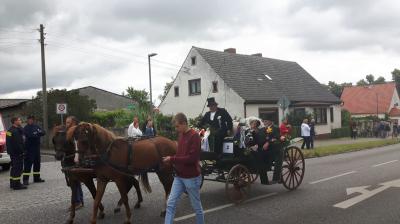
(340, 132)
(296, 132)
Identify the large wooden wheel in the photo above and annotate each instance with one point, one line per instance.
(238, 183)
(253, 177)
(293, 168)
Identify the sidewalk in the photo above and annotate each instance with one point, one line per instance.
(340, 141)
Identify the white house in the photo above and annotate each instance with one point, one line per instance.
(249, 85)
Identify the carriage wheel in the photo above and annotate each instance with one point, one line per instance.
(238, 183)
(293, 168)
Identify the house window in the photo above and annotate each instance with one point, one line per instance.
(269, 114)
(331, 113)
(215, 86)
(194, 87)
(176, 91)
(193, 60)
(320, 115)
(300, 113)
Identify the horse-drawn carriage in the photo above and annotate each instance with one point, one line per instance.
(239, 167)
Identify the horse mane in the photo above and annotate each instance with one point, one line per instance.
(103, 137)
(70, 132)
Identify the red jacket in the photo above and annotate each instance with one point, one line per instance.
(284, 130)
(187, 157)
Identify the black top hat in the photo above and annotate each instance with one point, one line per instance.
(211, 102)
(31, 117)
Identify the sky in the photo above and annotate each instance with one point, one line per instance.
(105, 43)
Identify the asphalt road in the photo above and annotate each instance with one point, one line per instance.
(322, 198)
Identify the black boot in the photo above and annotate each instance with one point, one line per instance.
(18, 186)
(37, 179)
(25, 180)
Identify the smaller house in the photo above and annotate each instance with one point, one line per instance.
(372, 100)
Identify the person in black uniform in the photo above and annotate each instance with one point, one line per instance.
(220, 123)
(15, 148)
(32, 145)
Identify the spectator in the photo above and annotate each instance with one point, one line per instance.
(186, 164)
(353, 130)
(312, 133)
(285, 128)
(305, 133)
(148, 128)
(395, 130)
(134, 130)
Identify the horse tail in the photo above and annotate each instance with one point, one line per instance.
(144, 178)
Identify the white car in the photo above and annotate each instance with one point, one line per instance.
(5, 159)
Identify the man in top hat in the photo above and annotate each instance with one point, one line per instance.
(32, 133)
(220, 123)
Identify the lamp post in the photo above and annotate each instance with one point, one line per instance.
(151, 96)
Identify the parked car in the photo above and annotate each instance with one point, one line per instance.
(5, 159)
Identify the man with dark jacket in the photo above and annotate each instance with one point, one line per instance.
(15, 148)
(32, 145)
(220, 123)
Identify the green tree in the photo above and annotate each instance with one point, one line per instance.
(396, 78)
(362, 82)
(337, 89)
(370, 79)
(140, 96)
(167, 86)
(80, 106)
(380, 80)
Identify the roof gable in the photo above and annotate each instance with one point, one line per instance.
(5, 103)
(370, 99)
(245, 74)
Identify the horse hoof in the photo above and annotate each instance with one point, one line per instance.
(163, 213)
(102, 215)
(137, 205)
(117, 210)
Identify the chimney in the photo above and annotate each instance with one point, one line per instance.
(230, 50)
(257, 54)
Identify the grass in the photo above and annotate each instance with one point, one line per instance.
(337, 149)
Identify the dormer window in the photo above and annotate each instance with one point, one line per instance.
(193, 60)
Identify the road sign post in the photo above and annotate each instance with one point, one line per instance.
(61, 109)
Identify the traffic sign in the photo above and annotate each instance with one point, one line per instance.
(61, 108)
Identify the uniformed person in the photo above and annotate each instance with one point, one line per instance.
(220, 123)
(15, 148)
(32, 145)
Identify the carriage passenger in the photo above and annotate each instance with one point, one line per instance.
(134, 130)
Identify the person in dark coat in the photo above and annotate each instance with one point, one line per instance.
(220, 123)
(148, 128)
(32, 133)
(15, 148)
(312, 133)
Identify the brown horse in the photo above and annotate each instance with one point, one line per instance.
(65, 151)
(119, 157)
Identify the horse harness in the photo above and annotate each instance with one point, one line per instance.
(129, 170)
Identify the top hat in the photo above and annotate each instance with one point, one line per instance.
(211, 102)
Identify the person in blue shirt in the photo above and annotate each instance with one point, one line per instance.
(148, 128)
(32, 133)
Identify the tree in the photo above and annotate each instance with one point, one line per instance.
(370, 79)
(380, 80)
(337, 89)
(80, 106)
(362, 82)
(167, 86)
(396, 78)
(140, 96)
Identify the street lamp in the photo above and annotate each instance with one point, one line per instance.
(151, 96)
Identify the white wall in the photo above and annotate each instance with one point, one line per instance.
(395, 100)
(192, 106)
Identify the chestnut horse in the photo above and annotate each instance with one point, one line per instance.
(65, 151)
(117, 157)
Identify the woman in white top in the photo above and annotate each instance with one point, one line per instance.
(305, 133)
(134, 130)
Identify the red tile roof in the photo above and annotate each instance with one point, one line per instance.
(366, 99)
(394, 112)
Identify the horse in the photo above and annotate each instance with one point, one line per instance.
(65, 152)
(118, 157)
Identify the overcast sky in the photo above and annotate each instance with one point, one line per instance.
(105, 43)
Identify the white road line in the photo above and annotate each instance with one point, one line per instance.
(223, 207)
(380, 164)
(330, 178)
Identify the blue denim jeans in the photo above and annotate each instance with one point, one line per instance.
(78, 194)
(192, 187)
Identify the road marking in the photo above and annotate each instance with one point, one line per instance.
(330, 178)
(224, 206)
(364, 193)
(381, 164)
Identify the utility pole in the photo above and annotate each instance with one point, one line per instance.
(44, 88)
